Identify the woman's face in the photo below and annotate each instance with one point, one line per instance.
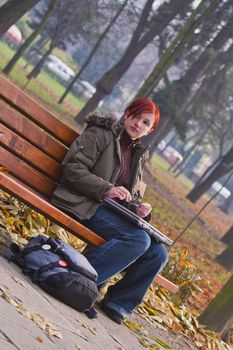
(138, 126)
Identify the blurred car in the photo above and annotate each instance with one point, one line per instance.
(84, 89)
(14, 35)
(60, 69)
(172, 156)
(162, 145)
(223, 192)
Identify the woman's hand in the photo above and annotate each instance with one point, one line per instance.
(118, 192)
(143, 210)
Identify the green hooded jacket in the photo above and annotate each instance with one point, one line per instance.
(91, 167)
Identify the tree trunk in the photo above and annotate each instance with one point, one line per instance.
(138, 42)
(224, 166)
(188, 154)
(226, 258)
(13, 10)
(98, 96)
(36, 70)
(160, 135)
(93, 51)
(39, 45)
(227, 205)
(228, 237)
(185, 168)
(178, 169)
(149, 139)
(30, 39)
(208, 170)
(178, 43)
(218, 315)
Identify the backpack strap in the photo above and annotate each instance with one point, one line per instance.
(50, 245)
(28, 250)
(14, 254)
(35, 274)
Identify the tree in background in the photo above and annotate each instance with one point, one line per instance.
(212, 103)
(211, 100)
(175, 100)
(149, 26)
(112, 48)
(228, 237)
(226, 258)
(62, 25)
(218, 315)
(30, 39)
(12, 11)
(67, 27)
(54, 41)
(223, 166)
(227, 205)
(93, 51)
(173, 51)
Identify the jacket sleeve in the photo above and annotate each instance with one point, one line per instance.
(79, 161)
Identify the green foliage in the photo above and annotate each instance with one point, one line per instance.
(170, 103)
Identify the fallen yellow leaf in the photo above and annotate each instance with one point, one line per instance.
(39, 339)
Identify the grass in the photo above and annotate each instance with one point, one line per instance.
(162, 165)
(46, 87)
(159, 162)
(6, 53)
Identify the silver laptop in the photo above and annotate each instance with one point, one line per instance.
(134, 218)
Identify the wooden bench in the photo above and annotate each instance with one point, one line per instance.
(33, 142)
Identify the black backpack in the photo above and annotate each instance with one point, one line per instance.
(59, 269)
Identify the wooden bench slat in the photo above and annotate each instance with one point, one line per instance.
(15, 121)
(34, 111)
(162, 281)
(26, 174)
(29, 153)
(48, 210)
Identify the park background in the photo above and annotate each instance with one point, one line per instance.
(75, 56)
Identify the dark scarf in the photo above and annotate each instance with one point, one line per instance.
(127, 145)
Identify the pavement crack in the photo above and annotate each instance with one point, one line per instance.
(117, 341)
(9, 340)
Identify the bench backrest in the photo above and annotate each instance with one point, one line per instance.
(33, 142)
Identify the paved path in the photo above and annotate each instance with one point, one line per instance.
(25, 310)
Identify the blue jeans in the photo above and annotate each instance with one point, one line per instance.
(128, 248)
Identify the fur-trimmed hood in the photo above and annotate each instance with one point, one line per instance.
(108, 122)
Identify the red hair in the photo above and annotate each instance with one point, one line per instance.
(144, 105)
